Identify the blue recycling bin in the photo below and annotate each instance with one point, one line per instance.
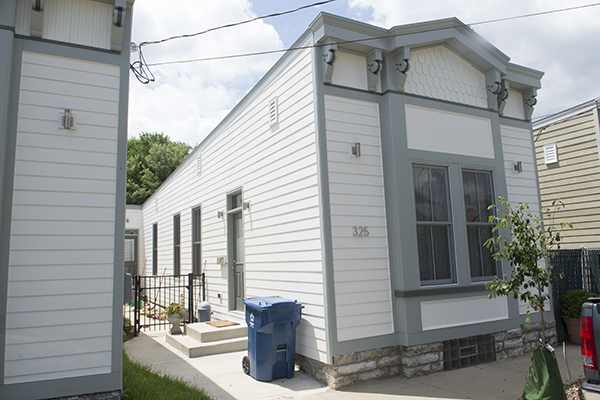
(272, 323)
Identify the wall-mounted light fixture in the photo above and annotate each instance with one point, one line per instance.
(355, 150)
(67, 120)
(518, 166)
(220, 214)
(246, 206)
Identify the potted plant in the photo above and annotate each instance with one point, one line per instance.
(175, 314)
(571, 303)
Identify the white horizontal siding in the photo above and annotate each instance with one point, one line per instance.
(276, 168)
(521, 187)
(361, 264)
(78, 21)
(60, 290)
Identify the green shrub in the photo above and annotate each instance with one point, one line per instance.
(573, 300)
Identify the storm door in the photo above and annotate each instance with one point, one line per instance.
(131, 256)
(236, 251)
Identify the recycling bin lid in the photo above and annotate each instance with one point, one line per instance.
(272, 303)
(205, 305)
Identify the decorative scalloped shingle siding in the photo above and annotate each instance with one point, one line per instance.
(440, 73)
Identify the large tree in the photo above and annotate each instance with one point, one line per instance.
(151, 158)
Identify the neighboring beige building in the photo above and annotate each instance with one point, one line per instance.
(568, 164)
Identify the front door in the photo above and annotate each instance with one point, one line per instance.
(238, 260)
(131, 256)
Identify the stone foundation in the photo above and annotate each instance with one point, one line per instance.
(412, 361)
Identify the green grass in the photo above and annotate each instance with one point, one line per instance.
(140, 383)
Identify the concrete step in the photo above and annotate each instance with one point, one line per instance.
(194, 348)
(205, 333)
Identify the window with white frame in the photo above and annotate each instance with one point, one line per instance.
(434, 224)
(479, 195)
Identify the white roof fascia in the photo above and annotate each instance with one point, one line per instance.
(565, 114)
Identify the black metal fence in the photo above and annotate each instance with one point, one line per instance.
(153, 294)
(574, 269)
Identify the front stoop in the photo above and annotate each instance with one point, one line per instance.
(202, 340)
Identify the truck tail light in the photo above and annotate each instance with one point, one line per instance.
(588, 349)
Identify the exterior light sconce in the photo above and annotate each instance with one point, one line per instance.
(355, 150)
(246, 206)
(67, 120)
(220, 214)
(518, 166)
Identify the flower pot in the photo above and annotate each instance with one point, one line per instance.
(573, 329)
(175, 321)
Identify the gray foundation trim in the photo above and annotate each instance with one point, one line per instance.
(371, 343)
(7, 167)
(62, 387)
(325, 207)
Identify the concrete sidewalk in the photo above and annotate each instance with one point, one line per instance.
(222, 377)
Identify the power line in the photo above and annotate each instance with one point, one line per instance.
(141, 68)
(142, 62)
(237, 23)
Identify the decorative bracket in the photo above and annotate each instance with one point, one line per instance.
(329, 57)
(529, 101)
(37, 17)
(497, 90)
(402, 65)
(374, 65)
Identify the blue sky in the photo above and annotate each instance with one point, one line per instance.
(188, 100)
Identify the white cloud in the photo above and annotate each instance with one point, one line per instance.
(188, 100)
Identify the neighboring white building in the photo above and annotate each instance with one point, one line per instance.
(355, 178)
(63, 139)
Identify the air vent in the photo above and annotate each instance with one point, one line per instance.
(466, 352)
(550, 154)
(273, 112)
(199, 164)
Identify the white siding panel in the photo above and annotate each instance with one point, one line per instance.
(61, 259)
(350, 70)
(357, 199)
(440, 73)
(514, 105)
(447, 132)
(276, 168)
(522, 187)
(78, 21)
(465, 311)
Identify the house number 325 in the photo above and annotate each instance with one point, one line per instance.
(360, 231)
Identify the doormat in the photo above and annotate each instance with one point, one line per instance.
(221, 324)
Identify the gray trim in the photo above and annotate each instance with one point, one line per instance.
(325, 207)
(370, 343)
(12, 74)
(70, 50)
(120, 195)
(62, 387)
(8, 9)
(437, 291)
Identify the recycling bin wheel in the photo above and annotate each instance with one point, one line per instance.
(246, 365)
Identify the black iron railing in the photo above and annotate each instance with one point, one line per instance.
(573, 269)
(153, 294)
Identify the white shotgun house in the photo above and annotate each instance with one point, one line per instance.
(355, 178)
(64, 83)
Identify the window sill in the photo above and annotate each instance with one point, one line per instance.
(432, 291)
